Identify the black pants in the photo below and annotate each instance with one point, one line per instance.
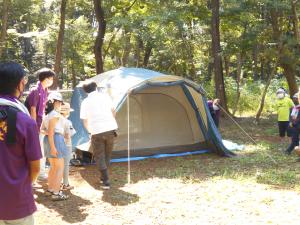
(102, 145)
(294, 139)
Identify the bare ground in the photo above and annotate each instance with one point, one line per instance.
(198, 189)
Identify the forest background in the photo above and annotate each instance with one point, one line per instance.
(241, 51)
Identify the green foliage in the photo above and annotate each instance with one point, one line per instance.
(250, 94)
(168, 36)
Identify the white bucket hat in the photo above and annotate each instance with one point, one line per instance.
(55, 96)
(280, 90)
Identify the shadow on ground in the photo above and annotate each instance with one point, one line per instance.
(71, 213)
(115, 196)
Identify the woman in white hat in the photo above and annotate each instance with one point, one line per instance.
(54, 145)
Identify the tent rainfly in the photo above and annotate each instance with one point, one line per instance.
(156, 114)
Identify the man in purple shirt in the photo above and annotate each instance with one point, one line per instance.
(20, 150)
(36, 103)
(38, 96)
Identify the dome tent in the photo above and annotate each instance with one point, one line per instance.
(167, 114)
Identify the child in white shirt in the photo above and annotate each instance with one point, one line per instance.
(69, 131)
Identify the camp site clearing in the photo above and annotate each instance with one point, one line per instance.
(197, 189)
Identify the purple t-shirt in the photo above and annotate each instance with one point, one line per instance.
(16, 197)
(38, 98)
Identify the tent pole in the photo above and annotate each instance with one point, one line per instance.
(128, 139)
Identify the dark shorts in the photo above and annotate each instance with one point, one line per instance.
(282, 127)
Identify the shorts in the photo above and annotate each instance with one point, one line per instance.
(28, 220)
(282, 127)
(60, 145)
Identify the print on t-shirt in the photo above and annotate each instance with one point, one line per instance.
(3, 130)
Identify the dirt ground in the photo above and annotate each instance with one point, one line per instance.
(156, 197)
(198, 189)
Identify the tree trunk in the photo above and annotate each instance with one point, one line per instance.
(127, 47)
(73, 75)
(100, 35)
(238, 82)
(4, 26)
(289, 69)
(226, 65)
(295, 20)
(262, 70)
(216, 50)
(147, 55)
(262, 101)
(59, 45)
(289, 73)
(139, 48)
(255, 62)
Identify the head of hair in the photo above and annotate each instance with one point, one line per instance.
(50, 106)
(44, 73)
(90, 87)
(11, 73)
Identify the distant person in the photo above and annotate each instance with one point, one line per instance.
(282, 106)
(20, 150)
(214, 109)
(98, 116)
(36, 103)
(54, 145)
(294, 126)
(69, 131)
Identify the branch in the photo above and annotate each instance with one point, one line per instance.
(114, 35)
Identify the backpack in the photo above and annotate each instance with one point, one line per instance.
(10, 115)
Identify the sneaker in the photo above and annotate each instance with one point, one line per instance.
(105, 185)
(42, 178)
(48, 192)
(36, 186)
(59, 196)
(67, 187)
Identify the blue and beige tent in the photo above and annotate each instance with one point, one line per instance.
(156, 114)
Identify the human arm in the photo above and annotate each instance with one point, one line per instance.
(84, 115)
(85, 124)
(33, 101)
(113, 112)
(33, 112)
(291, 103)
(34, 170)
(32, 149)
(51, 132)
(43, 129)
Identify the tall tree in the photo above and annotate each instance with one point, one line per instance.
(216, 51)
(60, 40)
(100, 17)
(4, 25)
(285, 58)
(295, 20)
